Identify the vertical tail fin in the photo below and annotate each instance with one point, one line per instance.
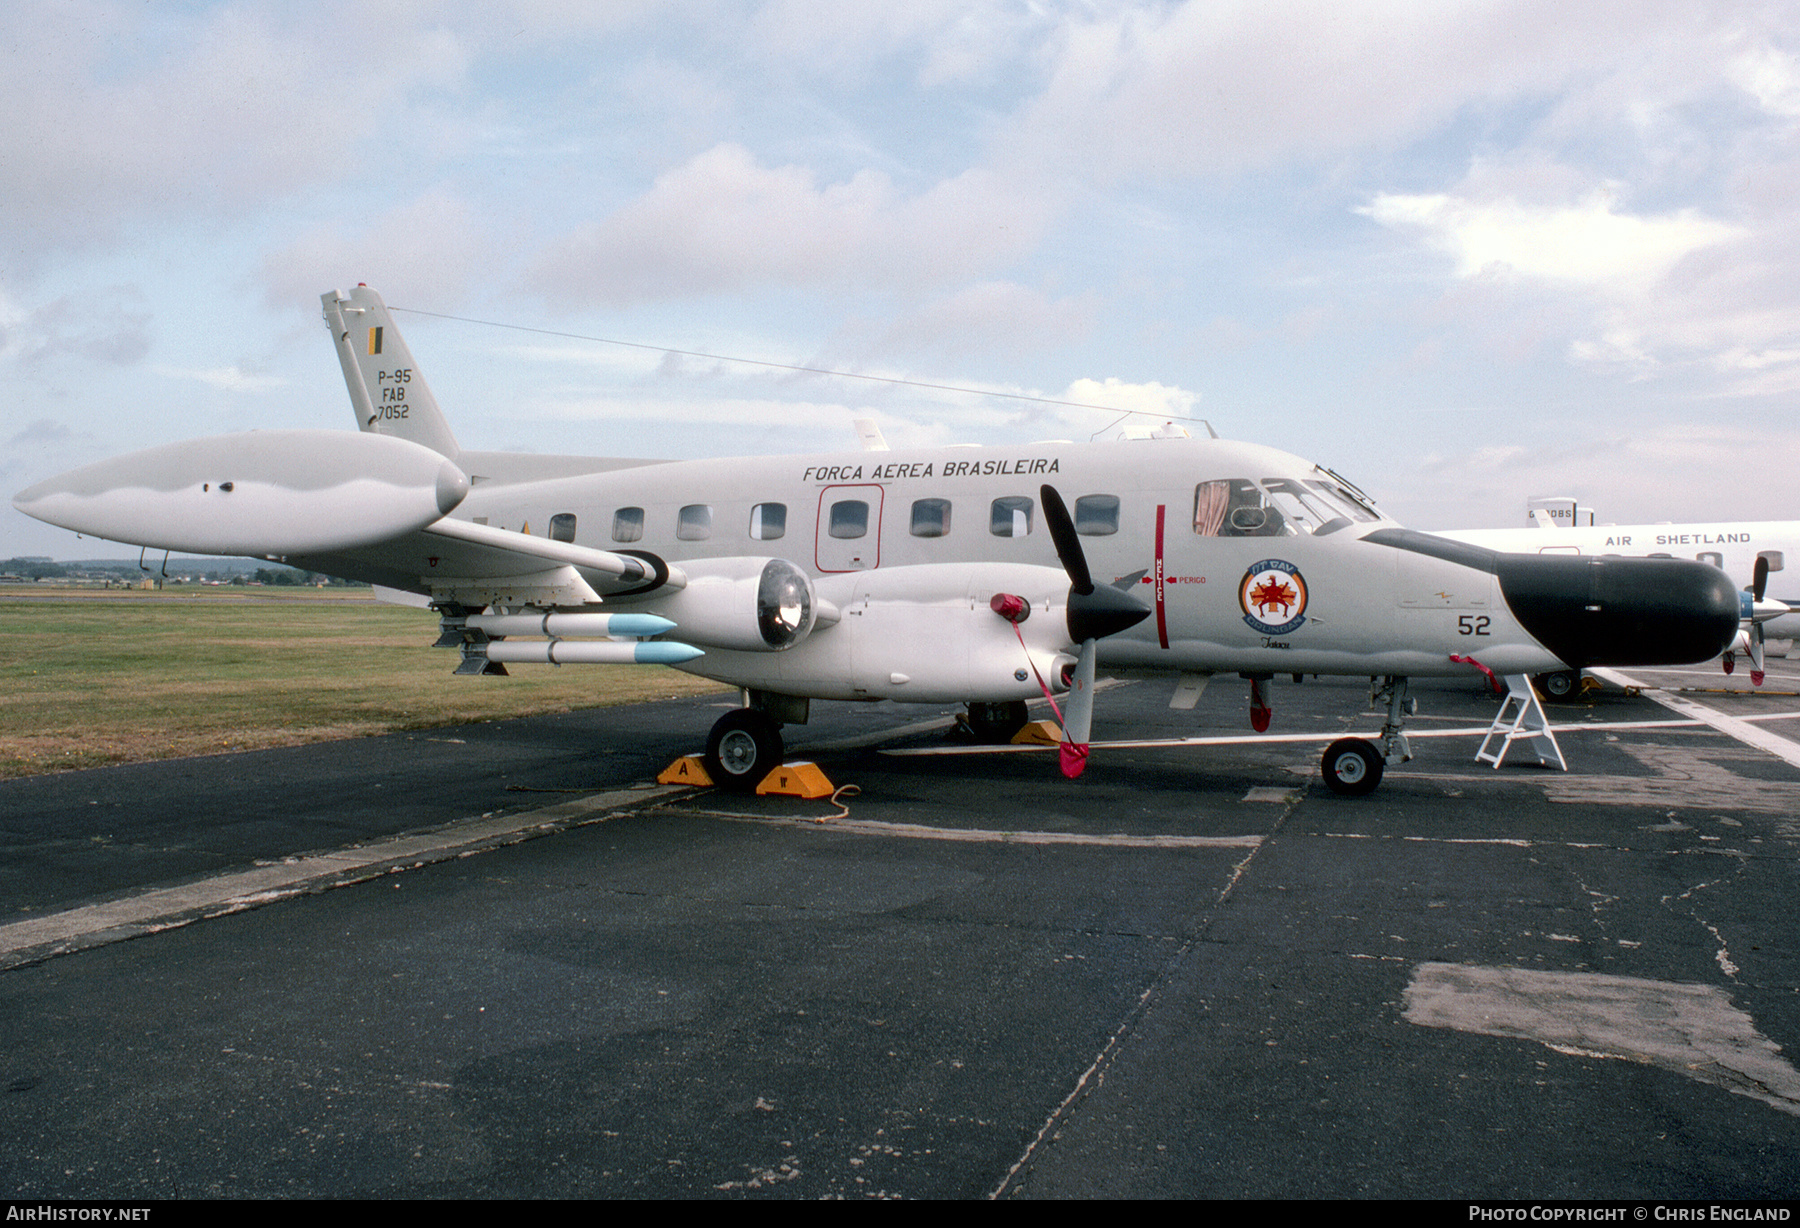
(387, 390)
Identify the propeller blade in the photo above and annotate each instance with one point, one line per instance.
(1760, 581)
(1078, 713)
(1095, 612)
(1068, 542)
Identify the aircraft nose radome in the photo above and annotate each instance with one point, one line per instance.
(1617, 611)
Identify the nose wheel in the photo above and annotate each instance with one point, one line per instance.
(744, 746)
(1352, 767)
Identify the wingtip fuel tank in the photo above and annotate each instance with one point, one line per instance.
(261, 493)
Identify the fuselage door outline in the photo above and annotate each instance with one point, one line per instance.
(833, 553)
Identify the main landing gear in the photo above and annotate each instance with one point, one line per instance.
(995, 724)
(1353, 766)
(744, 746)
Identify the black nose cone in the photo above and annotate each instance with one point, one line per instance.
(1617, 611)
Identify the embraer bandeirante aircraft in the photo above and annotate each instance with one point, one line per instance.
(1752, 552)
(984, 576)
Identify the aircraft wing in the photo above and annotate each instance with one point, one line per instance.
(476, 565)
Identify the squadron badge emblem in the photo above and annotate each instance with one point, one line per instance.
(1273, 596)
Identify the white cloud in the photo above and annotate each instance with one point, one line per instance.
(1771, 76)
(121, 112)
(225, 379)
(428, 249)
(1586, 243)
(723, 222)
(992, 318)
(1639, 476)
(110, 326)
(1208, 87)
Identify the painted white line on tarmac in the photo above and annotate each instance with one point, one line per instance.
(1762, 739)
(168, 907)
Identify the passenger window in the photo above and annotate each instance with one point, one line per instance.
(1010, 517)
(1713, 557)
(694, 523)
(628, 524)
(1774, 557)
(562, 527)
(1097, 515)
(768, 521)
(849, 518)
(931, 518)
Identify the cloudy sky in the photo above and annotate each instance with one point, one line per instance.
(1462, 252)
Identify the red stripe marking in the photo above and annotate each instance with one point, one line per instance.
(1162, 613)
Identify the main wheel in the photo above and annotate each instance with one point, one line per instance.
(995, 724)
(743, 747)
(1352, 767)
(1559, 685)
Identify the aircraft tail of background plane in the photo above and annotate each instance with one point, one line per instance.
(387, 389)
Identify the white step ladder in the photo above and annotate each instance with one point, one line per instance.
(1524, 723)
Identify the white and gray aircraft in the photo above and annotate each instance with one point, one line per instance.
(1753, 552)
(985, 576)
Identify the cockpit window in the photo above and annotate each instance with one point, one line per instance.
(1304, 508)
(1345, 501)
(1237, 507)
(1275, 507)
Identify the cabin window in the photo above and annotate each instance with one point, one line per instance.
(1713, 557)
(1010, 517)
(562, 527)
(694, 522)
(931, 518)
(1097, 515)
(849, 518)
(628, 524)
(1774, 557)
(768, 521)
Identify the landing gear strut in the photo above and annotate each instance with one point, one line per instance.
(1354, 766)
(995, 724)
(744, 746)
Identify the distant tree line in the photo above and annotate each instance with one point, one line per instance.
(40, 568)
(292, 576)
(33, 568)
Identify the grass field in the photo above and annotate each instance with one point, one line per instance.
(117, 677)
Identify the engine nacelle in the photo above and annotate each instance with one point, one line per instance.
(925, 634)
(749, 604)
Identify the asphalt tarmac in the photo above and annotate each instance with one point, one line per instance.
(492, 961)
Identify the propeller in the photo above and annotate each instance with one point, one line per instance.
(1757, 611)
(1094, 612)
